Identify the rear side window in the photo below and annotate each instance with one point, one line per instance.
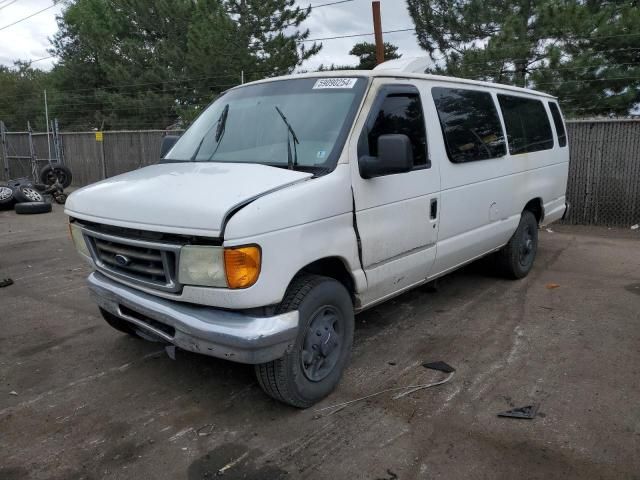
(527, 124)
(401, 113)
(557, 121)
(470, 124)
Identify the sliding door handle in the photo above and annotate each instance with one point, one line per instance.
(434, 208)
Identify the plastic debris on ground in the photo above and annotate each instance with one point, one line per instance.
(551, 286)
(526, 413)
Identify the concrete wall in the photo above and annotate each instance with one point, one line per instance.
(604, 173)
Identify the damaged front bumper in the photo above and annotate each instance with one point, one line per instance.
(218, 333)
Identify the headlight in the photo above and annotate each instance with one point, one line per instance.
(78, 240)
(236, 267)
(200, 265)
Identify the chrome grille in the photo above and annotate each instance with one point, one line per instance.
(143, 262)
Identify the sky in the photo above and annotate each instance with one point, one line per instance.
(29, 39)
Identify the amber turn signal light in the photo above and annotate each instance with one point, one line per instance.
(242, 266)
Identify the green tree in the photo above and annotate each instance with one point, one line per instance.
(574, 48)
(22, 96)
(366, 52)
(145, 63)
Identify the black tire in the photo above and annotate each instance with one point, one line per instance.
(516, 258)
(119, 324)
(31, 208)
(313, 367)
(27, 193)
(7, 198)
(50, 173)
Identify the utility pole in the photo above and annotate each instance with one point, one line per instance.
(377, 29)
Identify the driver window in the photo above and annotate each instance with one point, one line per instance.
(401, 113)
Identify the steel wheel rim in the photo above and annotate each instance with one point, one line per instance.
(5, 193)
(32, 195)
(527, 247)
(322, 344)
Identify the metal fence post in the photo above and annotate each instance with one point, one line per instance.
(5, 156)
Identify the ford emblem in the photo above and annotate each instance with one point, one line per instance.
(122, 260)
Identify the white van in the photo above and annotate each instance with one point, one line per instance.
(295, 202)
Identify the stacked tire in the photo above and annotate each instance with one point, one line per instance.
(23, 197)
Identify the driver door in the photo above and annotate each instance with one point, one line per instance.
(396, 214)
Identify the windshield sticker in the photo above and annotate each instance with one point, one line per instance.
(335, 83)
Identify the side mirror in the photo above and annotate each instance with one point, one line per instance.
(167, 142)
(394, 156)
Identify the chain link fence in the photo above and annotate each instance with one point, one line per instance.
(604, 172)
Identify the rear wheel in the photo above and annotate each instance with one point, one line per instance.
(119, 324)
(516, 257)
(314, 365)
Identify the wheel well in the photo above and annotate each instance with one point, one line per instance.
(535, 207)
(332, 267)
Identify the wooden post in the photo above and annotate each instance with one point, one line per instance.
(377, 29)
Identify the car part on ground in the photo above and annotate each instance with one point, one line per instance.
(7, 198)
(314, 364)
(50, 174)
(527, 412)
(6, 282)
(27, 193)
(60, 198)
(32, 208)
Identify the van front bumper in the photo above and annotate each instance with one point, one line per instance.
(224, 334)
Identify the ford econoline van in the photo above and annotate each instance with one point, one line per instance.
(293, 203)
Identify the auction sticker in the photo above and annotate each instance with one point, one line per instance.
(335, 83)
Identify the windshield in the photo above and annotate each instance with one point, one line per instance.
(246, 124)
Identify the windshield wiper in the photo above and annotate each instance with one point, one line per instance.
(291, 162)
(220, 127)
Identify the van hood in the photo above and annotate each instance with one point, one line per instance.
(186, 198)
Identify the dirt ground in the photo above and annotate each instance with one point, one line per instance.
(89, 402)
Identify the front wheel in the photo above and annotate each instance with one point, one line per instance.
(314, 365)
(516, 257)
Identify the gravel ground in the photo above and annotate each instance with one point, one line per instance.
(80, 400)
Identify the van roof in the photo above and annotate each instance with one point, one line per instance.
(397, 74)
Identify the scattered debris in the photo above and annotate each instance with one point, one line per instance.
(232, 463)
(13, 392)
(549, 230)
(393, 364)
(635, 227)
(422, 387)
(200, 432)
(6, 282)
(171, 351)
(551, 286)
(440, 366)
(527, 412)
(409, 389)
(392, 476)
